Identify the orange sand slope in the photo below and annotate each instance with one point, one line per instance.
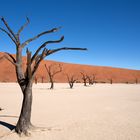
(103, 74)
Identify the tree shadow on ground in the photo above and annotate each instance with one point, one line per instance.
(8, 125)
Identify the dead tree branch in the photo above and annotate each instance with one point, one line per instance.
(84, 78)
(8, 27)
(39, 35)
(91, 79)
(22, 27)
(71, 80)
(11, 37)
(9, 57)
(44, 45)
(52, 70)
(63, 48)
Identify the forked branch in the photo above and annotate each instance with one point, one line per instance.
(71, 80)
(39, 35)
(44, 45)
(84, 78)
(52, 71)
(46, 52)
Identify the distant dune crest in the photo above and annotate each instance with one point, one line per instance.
(102, 74)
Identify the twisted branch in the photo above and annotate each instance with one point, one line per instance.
(43, 45)
(63, 48)
(39, 35)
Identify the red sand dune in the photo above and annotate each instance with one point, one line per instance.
(103, 74)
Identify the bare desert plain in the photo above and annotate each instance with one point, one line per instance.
(98, 112)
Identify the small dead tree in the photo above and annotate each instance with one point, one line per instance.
(84, 78)
(91, 79)
(52, 70)
(71, 80)
(25, 78)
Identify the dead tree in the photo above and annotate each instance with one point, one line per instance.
(71, 80)
(25, 78)
(84, 78)
(91, 79)
(52, 70)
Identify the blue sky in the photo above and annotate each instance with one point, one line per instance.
(110, 29)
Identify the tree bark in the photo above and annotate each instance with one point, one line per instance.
(85, 83)
(24, 122)
(52, 85)
(71, 85)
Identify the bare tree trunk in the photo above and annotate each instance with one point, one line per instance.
(71, 85)
(52, 84)
(84, 78)
(85, 83)
(24, 122)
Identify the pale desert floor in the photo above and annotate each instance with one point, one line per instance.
(99, 112)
